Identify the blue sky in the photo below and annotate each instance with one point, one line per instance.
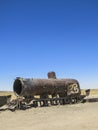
(38, 36)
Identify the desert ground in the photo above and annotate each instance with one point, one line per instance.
(82, 116)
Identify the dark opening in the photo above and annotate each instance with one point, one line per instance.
(17, 87)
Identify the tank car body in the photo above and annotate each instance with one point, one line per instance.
(32, 87)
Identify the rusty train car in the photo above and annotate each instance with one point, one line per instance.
(49, 90)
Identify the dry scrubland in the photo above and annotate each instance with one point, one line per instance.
(5, 93)
(67, 117)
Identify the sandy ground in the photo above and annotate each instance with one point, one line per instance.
(67, 117)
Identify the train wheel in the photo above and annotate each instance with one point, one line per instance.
(61, 101)
(73, 100)
(67, 101)
(35, 103)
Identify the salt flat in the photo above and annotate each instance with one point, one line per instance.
(66, 117)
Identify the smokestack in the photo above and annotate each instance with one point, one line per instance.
(51, 75)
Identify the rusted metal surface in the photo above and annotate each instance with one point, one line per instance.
(4, 100)
(31, 87)
(52, 75)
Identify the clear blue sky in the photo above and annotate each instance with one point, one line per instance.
(37, 36)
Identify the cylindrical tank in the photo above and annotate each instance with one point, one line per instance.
(31, 87)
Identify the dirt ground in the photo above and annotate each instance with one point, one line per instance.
(66, 117)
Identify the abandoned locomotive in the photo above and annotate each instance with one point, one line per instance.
(51, 89)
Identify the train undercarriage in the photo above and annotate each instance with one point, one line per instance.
(25, 103)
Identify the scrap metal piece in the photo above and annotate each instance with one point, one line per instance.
(4, 100)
